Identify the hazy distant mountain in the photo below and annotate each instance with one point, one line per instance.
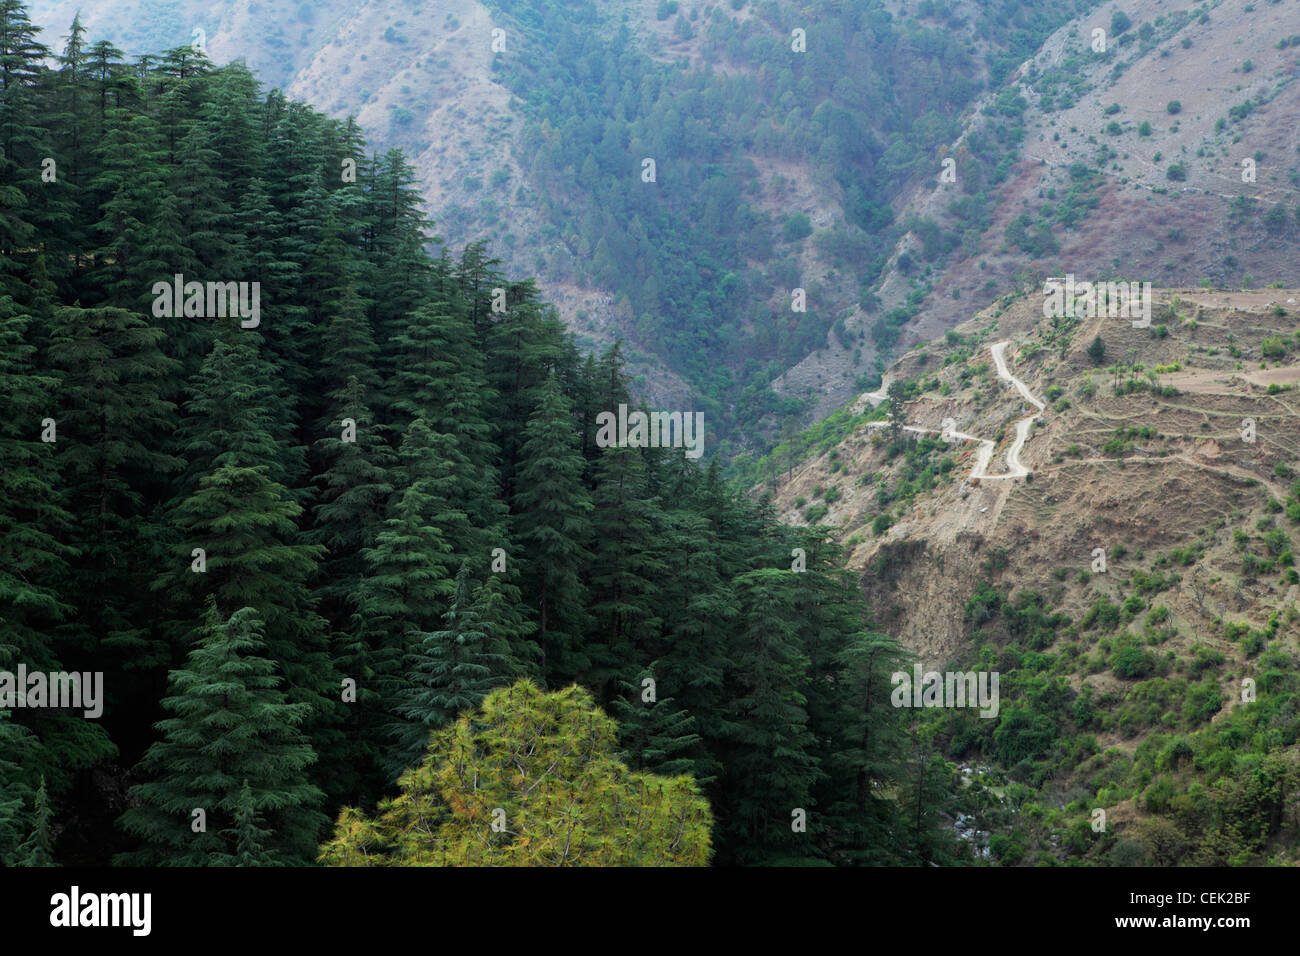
(822, 170)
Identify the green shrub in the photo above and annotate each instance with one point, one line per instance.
(815, 514)
(1132, 663)
(1203, 702)
(795, 227)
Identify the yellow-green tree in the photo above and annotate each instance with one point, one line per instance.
(529, 779)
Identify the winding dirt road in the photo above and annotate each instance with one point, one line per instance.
(984, 455)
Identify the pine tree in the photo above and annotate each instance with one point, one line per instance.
(356, 484)
(235, 505)
(552, 527)
(502, 611)
(587, 405)
(441, 382)
(18, 747)
(926, 802)
(33, 558)
(356, 487)
(235, 416)
(624, 598)
(113, 84)
(176, 93)
(700, 615)
(408, 575)
(39, 626)
(232, 738)
(871, 750)
(57, 212)
(112, 426)
(347, 347)
(524, 346)
(654, 733)
(398, 282)
(451, 670)
(22, 138)
(112, 364)
(1097, 351)
(476, 800)
(230, 113)
(897, 403)
(139, 235)
(38, 848)
(15, 744)
(245, 524)
(206, 218)
(72, 93)
(250, 836)
(772, 767)
(408, 578)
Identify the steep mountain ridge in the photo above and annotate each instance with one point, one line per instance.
(1169, 90)
(1158, 519)
(427, 78)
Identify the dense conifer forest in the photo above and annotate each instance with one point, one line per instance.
(302, 548)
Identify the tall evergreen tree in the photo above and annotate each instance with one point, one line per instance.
(17, 746)
(138, 233)
(236, 416)
(356, 485)
(22, 138)
(870, 750)
(654, 733)
(441, 382)
(233, 739)
(524, 348)
(112, 424)
(38, 848)
(33, 524)
(409, 578)
(626, 530)
(451, 670)
(245, 525)
(398, 282)
(553, 527)
(771, 765)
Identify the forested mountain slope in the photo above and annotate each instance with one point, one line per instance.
(295, 539)
(392, 477)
